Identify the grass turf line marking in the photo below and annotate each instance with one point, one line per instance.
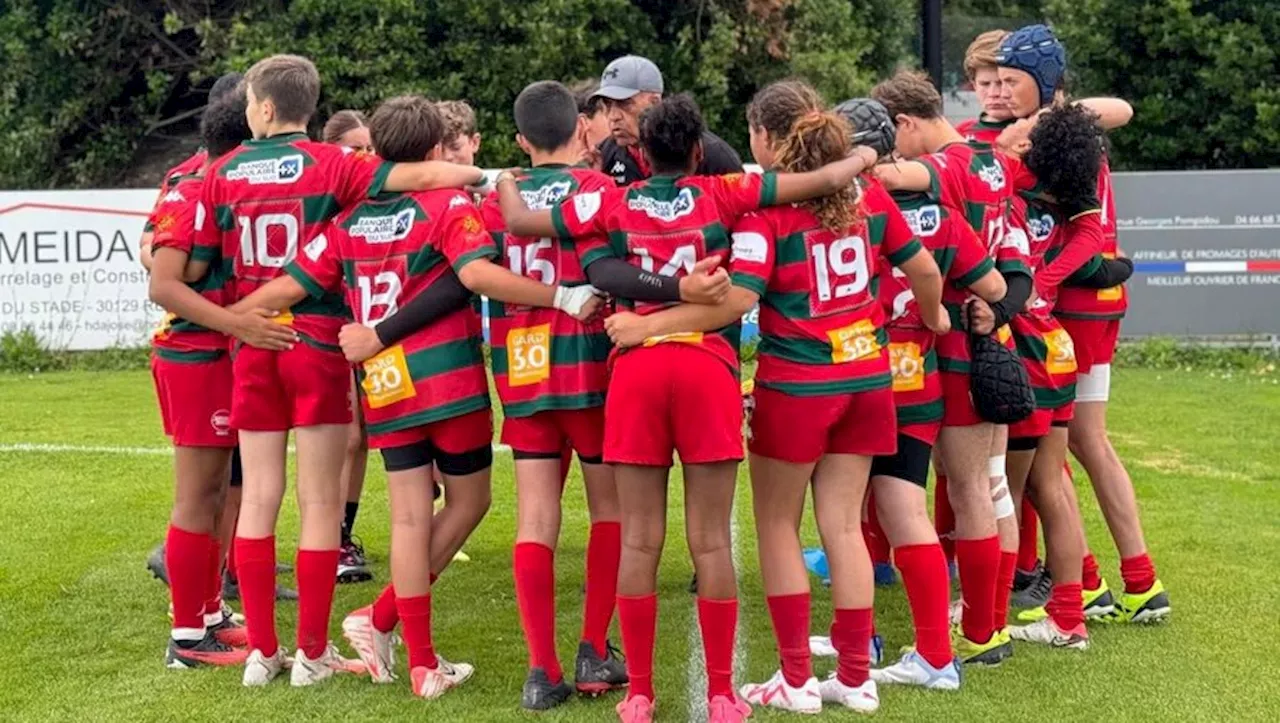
(695, 672)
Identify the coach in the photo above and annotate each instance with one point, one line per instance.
(630, 85)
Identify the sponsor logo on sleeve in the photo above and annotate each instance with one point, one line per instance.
(586, 206)
(316, 247)
(751, 247)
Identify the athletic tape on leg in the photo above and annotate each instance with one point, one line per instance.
(1001, 500)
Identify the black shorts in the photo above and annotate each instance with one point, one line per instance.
(517, 454)
(1029, 444)
(911, 463)
(237, 469)
(422, 454)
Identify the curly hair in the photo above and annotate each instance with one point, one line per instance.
(1066, 153)
(669, 132)
(223, 125)
(806, 136)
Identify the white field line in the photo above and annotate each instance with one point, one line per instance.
(43, 448)
(695, 670)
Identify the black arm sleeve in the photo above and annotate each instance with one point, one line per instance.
(1112, 272)
(620, 279)
(1019, 290)
(445, 296)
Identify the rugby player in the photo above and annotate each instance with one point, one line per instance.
(630, 85)
(259, 202)
(192, 375)
(974, 180)
(222, 88)
(461, 135)
(823, 392)
(673, 392)
(1031, 63)
(1031, 581)
(899, 481)
(550, 373)
(350, 129)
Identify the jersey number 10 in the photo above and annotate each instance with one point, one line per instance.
(255, 232)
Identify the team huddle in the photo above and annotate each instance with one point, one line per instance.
(928, 295)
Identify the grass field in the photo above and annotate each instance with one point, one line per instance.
(86, 493)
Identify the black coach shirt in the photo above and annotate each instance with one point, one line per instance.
(627, 165)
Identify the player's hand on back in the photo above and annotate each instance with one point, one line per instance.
(627, 329)
(938, 320)
(979, 317)
(708, 283)
(359, 342)
(256, 328)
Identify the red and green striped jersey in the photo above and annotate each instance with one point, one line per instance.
(386, 251)
(913, 349)
(977, 181)
(821, 325)
(1075, 302)
(266, 197)
(960, 255)
(667, 224)
(1045, 348)
(193, 165)
(542, 358)
(983, 129)
(174, 224)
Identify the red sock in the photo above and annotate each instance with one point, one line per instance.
(719, 622)
(924, 575)
(1090, 579)
(944, 520)
(604, 548)
(385, 616)
(213, 590)
(1028, 537)
(1066, 605)
(1138, 572)
(790, 615)
(415, 614)
(186, 557)
(1004, 589)
(535, 573)
(638, 621)
(317, 572)
(851, 636)
(979, 562)
(873, 534)
(256, 568)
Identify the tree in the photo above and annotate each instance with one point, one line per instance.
(1202, 77)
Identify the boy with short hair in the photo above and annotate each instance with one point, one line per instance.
(426, 398)
(461, 135)
(192, 375)
(259, 202)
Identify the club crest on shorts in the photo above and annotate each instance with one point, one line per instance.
(221, 422)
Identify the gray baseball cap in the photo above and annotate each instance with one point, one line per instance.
(629, 75)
